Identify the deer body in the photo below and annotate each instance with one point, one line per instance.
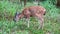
(35, 11)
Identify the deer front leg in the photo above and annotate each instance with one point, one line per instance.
(28, 21)
(41, 22)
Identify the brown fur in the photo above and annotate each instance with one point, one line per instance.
(35, 11)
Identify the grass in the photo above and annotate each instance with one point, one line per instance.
(8, 26)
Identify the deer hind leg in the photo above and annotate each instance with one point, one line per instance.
(41, 22)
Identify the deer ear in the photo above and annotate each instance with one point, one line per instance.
(17, 13)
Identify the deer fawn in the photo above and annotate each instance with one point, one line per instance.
(34, 11)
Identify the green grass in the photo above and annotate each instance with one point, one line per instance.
(51, 19)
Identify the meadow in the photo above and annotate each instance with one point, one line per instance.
(8, 26)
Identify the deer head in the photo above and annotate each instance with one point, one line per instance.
(16, 17)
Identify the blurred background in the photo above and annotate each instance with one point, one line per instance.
(8, 8)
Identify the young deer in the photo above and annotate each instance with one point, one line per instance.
(34, 11)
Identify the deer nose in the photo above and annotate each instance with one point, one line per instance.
(14, 19)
